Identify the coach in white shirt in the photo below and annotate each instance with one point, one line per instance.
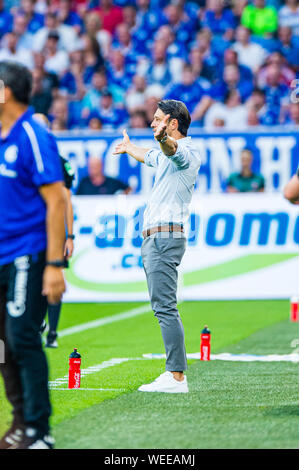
(177, 162)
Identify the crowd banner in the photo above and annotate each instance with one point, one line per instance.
(241, 246)
(275, 157)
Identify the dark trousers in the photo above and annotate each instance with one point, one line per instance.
(25, 371)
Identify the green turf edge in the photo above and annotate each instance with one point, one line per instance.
(230, 405)
(235, 267)
(216, 314)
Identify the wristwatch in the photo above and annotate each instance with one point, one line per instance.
(58, 263)
(71, 236)
(297, 173)
(163, 139)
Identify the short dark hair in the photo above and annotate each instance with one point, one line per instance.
(259, 91)
(177, 110)
(18, 78)
(248, 150)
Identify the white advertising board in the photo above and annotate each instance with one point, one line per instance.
(243, 246)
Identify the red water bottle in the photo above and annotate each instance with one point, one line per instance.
(294, 310)
(205, 344)
(74, 369)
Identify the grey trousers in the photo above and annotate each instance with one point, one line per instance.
(161, 256)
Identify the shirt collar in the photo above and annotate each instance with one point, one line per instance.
(28, 113)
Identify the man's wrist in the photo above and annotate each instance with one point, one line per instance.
(163, 140)
(129, 149)
(57, 263)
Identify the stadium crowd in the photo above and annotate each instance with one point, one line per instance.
(106, 64)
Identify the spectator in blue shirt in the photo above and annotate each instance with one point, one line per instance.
(124, 42)
(176, 53)
(148, 20)
(110, 116)
(231, 58)
(293, 115)
(92, 98)
(202, 69)
(77, 78)
(219, 20)
(288, 48)
(174, 49)
(183, 27)
(118, 74)
(211, 57)
(232, 81)
(35, 20)
(159, 70)
(6, 20)
(259, 113)
(190, 91)
(277, 94)
(68, 114)
(68, 16)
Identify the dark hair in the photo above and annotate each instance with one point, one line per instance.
(247, 149)
(177, 110)
(18, 78)
(259, 91)
(230, 93)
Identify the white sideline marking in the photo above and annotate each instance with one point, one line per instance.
(92, 370)
(57, 383)
(293, 357)
(96, 389)
(105, 321)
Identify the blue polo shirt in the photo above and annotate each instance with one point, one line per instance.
(219, 25)
(28, 159)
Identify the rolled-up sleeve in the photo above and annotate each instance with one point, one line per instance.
(182, 156)
(151, 158)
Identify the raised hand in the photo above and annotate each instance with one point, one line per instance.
(123, 146)
(160, 131)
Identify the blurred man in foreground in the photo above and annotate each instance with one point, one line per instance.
(32, 207)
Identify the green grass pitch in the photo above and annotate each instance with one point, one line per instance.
(230, 404)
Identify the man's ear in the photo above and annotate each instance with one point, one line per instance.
(174, 124)
(7, 94)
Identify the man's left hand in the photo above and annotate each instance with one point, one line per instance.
(161, 129)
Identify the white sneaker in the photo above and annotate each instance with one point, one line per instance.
(166, 383)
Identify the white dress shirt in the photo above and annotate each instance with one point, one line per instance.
(174, 184)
